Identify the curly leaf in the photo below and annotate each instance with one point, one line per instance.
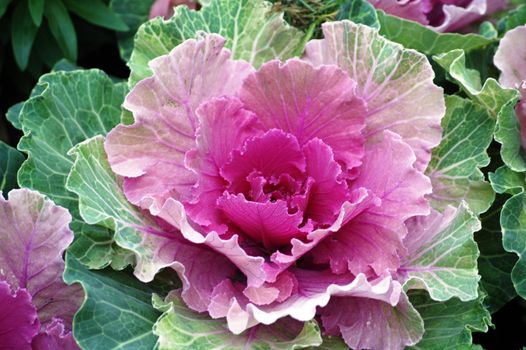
(65, 108)
(117, 312)
(413, 35)
(448, 325)
(513, 221)
(455, 165)
(253, 33)
(180, 328)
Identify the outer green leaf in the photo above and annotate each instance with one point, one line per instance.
(13, 114)
(490, 95)
(359, 11)
(62, 28)
(133, 13)
(180, 328)
(23, 32)
(513, 222)
(66, 108)
(508, 134)
(252, 31)
(10, 161)
(36, 9)
(448, 325)
(96, 12)
(413, 35)
(3, 6)
(455, 165)
(494, 263)
(101, 201)
(447, 264)
(116, 314)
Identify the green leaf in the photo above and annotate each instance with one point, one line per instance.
(488, 31)
(3, 6)
(133, 13)
(413, 35)
(513, 19)
(23, 32)
(252, 31)
(117, 311)
(62, 28)
(101, 201)
(513, 222)
(455, 166)
(490, 95)
(359, 11)
(10, 161)
(66, 108)
(449, 324)
(508, 135)
(494, 263)
(180, 328)
(97, 12)
(446, 262)
(36, 9)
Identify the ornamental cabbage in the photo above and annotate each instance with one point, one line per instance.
(292, 186)
(36, 306)
(442, 15)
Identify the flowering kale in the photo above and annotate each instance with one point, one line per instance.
(295, 190)
(36, 307)
(442, 15)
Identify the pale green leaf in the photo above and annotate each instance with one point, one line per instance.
(101, 201)
(65, 108)
(413, 35)
(449, 324)
(508, 135)
(117, 311)
(494, 263)
(513, 222)
(455, 166)
(10, 161)
(490, 95)
(180, 328)
(252, 32)
(444, 256)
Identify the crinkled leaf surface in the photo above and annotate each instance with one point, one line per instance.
(413, 35)
(454, 169)
(10, 161)
(498, 101)
(448, 325)
(490, 95)
(513, 222)
(65, 109)
(133, 13)
(102, 201)
(180, 328)
(252, 31)
(117, 311)
(33, 236)
(442, 253)
(494, 263)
